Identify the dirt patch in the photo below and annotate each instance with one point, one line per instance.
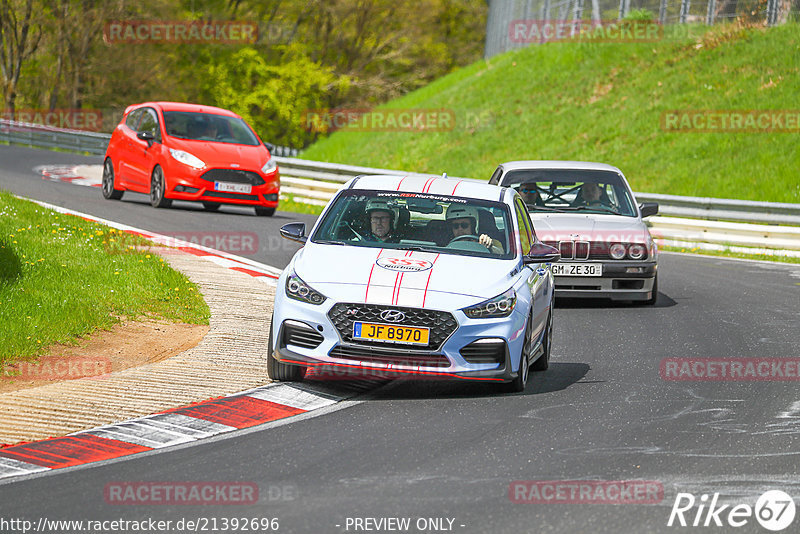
(129, 344)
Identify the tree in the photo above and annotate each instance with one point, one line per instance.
(20, 35)
(274, 99)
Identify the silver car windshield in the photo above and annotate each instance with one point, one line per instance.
(418, 221)
(567, 190)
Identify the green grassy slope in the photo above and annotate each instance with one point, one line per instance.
(604, 102)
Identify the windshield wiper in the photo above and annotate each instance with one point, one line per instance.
(330, 242)
(417, 248)
(541, 208)
(602, 209)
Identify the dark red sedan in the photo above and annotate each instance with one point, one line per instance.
(175, 151)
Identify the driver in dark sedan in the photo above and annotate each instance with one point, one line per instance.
(463, 221)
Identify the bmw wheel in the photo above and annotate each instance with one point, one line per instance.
(108, 182)
(157, 189)
(280, 371)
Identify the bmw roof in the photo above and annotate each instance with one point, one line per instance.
(435, 185)
(557, 164)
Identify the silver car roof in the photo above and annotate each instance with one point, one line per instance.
(558, 164)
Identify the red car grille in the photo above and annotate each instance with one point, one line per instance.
(236, 176)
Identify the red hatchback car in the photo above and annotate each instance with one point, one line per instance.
(174, 151)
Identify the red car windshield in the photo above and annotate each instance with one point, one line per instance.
(208, 127)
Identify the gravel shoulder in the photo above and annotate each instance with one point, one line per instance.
(229, 358)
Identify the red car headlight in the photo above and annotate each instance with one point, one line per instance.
(269, 166)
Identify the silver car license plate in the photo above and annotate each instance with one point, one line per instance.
(578, 269)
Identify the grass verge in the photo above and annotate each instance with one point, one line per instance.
(608, 102)
(62, 278)
(290, 204)
(730, 254)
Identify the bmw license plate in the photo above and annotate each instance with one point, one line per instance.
(232, 188)
(389, 333)
(578, 269)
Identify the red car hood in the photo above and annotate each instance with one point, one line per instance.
(222, 155)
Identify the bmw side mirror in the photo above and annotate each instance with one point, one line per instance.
(146, 136)
(541, 253)
(295, 231)
(648, 208)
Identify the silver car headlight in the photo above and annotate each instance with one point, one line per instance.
(499, 306)
(187, 159)
(269, 166)
(298, 290)
(636, 251)
(617, 251)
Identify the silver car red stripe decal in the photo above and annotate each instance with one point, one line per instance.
(370, 274)
(456, 187)
(398, 282)
(401, 182)
(428, 186)
(430, 272)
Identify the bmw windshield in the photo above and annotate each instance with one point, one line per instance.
(418, 221)
(572, 190)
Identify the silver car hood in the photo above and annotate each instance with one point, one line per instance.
(589, 227)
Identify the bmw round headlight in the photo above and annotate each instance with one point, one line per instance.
(299, 290)
(636, 251)
(499, 306)
(617, 251)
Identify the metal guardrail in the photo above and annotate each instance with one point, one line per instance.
(316, 182)
(300, 171)
(38, 135)
(725, 209)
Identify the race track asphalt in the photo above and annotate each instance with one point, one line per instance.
(416, 450)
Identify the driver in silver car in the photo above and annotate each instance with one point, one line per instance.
(380, 216)
(593, 195)
(463, 221)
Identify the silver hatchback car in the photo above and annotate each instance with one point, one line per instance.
(588, 211)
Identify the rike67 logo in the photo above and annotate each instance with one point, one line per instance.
(774, 511)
